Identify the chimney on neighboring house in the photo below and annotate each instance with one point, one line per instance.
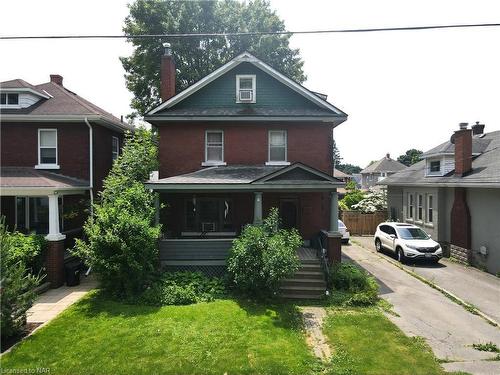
(57, 79)
(167, 73)
(463, 149)
(477, 128)
(387, 156)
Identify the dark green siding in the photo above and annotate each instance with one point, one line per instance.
(222, 93)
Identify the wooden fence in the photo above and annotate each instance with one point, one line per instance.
(358, 223)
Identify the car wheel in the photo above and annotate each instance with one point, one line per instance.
(378, 245)
(401, 255)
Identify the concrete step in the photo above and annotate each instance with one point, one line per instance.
(309, 274)
(302, 289)
(304, 282)
(301, 296)
(309, 261)
(310, 267)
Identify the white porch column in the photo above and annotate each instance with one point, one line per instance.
(334, 212)
(54, 231)
(257, 208)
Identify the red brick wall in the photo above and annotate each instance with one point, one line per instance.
(103, 158)
(460, 220)
(182, 146)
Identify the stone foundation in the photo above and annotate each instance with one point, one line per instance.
(460, 254)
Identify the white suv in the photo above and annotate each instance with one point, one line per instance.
(407, 241)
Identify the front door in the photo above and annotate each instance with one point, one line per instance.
(289, 213)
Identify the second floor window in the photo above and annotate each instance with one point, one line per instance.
(9, 99)
(277, 146)
(115, 147)
(47, 146)
(214, 146)
(435, 166)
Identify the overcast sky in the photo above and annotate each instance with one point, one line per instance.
(401, 89)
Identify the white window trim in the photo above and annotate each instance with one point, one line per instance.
(11, 106)
(427, 207)
(420, 206)
(428, 171)
(213, 163)
(117, 151)
(254, 86)
(47, 166)
(408, 205)
(277, 162)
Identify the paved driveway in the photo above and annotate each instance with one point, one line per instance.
(448, 328)
(473, 286)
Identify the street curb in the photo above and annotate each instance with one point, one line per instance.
(467, 306)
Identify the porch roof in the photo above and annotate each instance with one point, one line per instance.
(30, 181)
(296, 176)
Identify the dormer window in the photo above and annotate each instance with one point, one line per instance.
(245, 89)
(435, 166)
(9, 99)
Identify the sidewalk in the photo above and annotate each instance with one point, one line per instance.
(51, 303)
(475, 287)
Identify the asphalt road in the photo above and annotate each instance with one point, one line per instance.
(448, 328)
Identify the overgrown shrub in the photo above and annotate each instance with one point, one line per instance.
(29, 249)
(183, 288)
(121, 238)
(17, 284)
(352, 286)
(262, 256)
(373, 201)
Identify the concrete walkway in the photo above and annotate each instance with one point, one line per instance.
(478, 288)
(448, 328)
(51, 303)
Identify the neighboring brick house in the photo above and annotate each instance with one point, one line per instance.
(454, 195)
(56, 149)
(378, 170)
(241, 140)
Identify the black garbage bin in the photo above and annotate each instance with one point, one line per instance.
(73, 270)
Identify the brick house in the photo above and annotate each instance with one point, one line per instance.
(454, 195)
(56, 149)
(241, 140)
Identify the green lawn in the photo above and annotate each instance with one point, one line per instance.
(97, 336)
(364, 341)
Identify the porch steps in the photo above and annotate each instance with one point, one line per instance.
(307, 283)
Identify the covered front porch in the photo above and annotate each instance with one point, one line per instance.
(205, 210)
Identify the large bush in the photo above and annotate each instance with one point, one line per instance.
(263, 255)
(121, 237)
(17, 284)
(373, 201)
(29, 249)
(352, 197)
(183, 288)
(352, 286)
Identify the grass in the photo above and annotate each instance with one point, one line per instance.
(486, 347)
(98, 336)
(364, 341)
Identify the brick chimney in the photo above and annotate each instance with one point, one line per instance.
(167, 73)
(477, 128)
(57, 79)
(463, 150)
(387, 156)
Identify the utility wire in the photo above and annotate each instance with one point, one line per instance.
(251, 33)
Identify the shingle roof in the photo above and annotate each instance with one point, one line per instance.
(479, 144)
(386, 164)
(250, 112)
(61, 102)
(485, 169)
(340, 174)
(16, 177)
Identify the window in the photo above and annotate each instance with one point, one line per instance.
(430, 209)
(9, 99)
(435, 166)
(203, 215)
(115, 147)
(420, 204)
(32, 214)
(214, 147)
(47, 147)
(277, 146)
(410, 206)
(245, 89)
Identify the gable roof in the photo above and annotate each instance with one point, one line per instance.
(485, 170)
(250, 178)
(57, 104)
(386, 164)
(479, 144)
(339, 174)
(329, 109)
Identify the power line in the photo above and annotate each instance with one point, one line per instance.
(250, 33)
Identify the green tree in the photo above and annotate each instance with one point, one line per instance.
(411, 157)
(349, 168)
(121, 238)
(197, 57)
(336, 155)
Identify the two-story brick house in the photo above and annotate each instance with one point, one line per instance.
(56, 149)
(241, 140)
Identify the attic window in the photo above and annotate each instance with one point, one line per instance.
(245, 89)
(9, 99)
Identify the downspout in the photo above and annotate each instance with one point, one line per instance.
(91, 167)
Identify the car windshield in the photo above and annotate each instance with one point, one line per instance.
(412, 234)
